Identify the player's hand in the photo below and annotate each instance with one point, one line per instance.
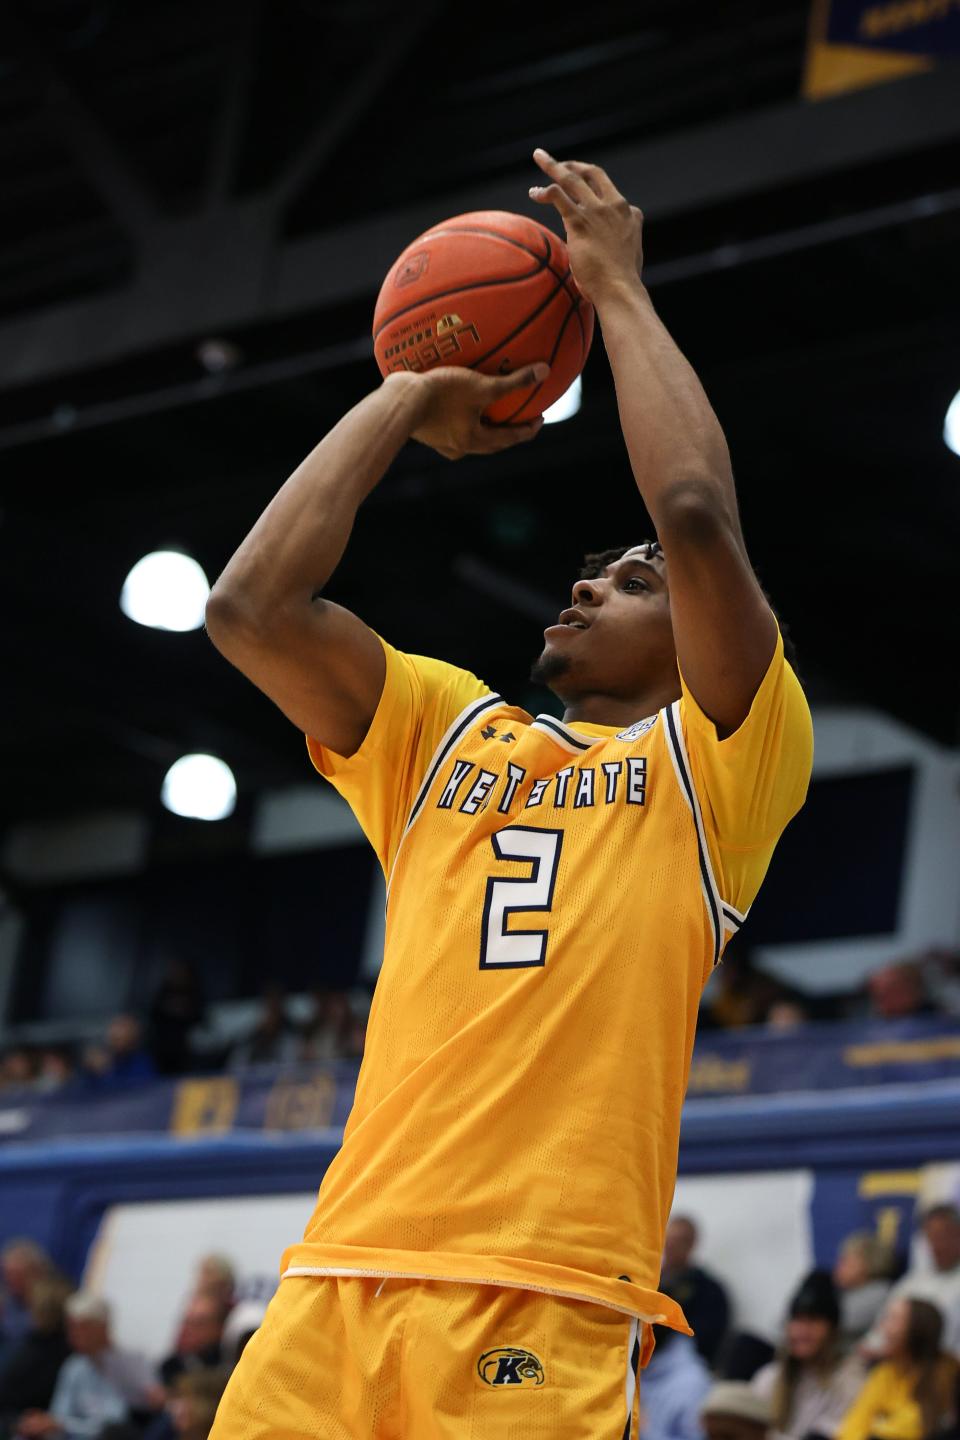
(604, 231)
(449, 402)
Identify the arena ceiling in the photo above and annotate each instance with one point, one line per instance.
(173, 172)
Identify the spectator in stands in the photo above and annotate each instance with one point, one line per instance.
(29, 1372)
(97, 1384)
(55, 1069)
(198, 1343)
(273, 1040)
(325, 1034)
(861, 1275)
(18, 1068)
(787, 1015)
(811, 1385)
(193, 1405)
(939, 1285)
(243, 1321)
(897, 991)
(178, 1006)
(22, 1263)
(910, 1394)
(741, 995)
(217, 1277)
(123, 1058)
(701, 1297)
(734, 1411)
(674, 1386)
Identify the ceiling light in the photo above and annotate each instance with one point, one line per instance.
(166, 590)
(201, 787)
(951, 425)
(567, 405)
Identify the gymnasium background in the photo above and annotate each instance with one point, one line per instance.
(198, 203)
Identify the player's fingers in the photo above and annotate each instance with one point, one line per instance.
(578, 190)
(596, 177)
(497, 385)
(493, 437)
(554, 195)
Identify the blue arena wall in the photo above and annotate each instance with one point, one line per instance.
(57, 1191)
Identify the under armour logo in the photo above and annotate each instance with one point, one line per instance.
(488, 732)
(507, 739)
(509, 1366)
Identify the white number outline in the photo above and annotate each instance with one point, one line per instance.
(497, 897)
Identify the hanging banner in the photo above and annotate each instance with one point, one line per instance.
(855, 43)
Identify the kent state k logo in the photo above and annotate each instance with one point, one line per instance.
(509, 1366)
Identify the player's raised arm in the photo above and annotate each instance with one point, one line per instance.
(321, 665)
(724, 630)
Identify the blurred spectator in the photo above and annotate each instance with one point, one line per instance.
(18, 1068)
(910, 1394)
(199, 1340)
(55, 1069)
(273, 1040)
(325, 1035)
(177, 1007)
(22, 1263)
(734, 1411)
(701, 1297)
(861, 1274)
(29, 1372)
(786, 1015)
(673, 1389)
(811, 1385)
(940, 1285)
(97, 1384)
(243, 1321)
(124, 1057)
(896, 991)
(217, 1277)
(738, 993)
(193, 1405)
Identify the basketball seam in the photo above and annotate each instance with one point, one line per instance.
(543, 263)
(481, 359)
(574, 310)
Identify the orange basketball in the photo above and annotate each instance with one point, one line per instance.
(492, 291)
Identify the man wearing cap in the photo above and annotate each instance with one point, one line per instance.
(735, 1411)
(98, 1384)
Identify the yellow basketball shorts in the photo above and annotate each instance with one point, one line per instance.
(351, 1358)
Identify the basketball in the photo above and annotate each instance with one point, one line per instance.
(490, 290)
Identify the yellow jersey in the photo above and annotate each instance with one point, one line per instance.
(558, 895)
(887, 1407)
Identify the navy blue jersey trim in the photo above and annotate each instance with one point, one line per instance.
(549, 723)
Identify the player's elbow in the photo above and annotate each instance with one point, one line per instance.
(232, 622)
(694, 511)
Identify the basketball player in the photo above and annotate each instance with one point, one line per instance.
(484, 1256)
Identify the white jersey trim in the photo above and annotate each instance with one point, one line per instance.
(633, 1360)
(721, 919)
(563, 736)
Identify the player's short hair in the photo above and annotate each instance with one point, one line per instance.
(597, 561)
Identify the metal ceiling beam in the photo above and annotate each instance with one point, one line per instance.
(217, 270)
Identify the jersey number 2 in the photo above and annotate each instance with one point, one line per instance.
(503, 949)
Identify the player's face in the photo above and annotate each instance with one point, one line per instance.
(616, 638)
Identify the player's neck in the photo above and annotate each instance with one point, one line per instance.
(598, 709)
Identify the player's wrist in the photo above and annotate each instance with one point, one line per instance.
(410, 395)
(617, 292)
